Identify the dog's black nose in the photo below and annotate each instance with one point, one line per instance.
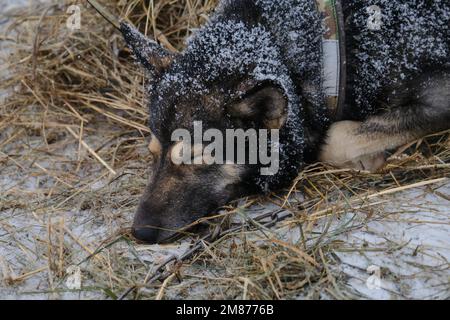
(146, 234)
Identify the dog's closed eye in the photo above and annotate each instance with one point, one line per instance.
(181, 153)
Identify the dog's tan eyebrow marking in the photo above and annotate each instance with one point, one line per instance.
(155, 145)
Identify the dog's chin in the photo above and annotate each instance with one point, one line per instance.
(160, 236)
(170, 237)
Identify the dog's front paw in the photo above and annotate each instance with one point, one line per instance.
(341, 145)
(369, 162)
(345, 147)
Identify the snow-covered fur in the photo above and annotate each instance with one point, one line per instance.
(251, 44)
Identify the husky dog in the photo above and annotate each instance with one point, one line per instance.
(259, 64)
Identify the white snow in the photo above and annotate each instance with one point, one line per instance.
(411, 245)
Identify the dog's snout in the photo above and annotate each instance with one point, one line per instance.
(167, 215)
(145, 234)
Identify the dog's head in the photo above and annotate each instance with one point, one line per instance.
(188, 180)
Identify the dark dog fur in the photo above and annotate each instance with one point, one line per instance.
(265, 55)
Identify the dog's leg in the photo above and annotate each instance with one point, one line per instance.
(351, 145)
(361, 145)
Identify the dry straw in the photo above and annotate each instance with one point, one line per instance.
(80, 91)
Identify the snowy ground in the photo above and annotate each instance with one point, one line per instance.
(408, 247)
(397, 248)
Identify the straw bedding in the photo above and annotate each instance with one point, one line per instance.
(73, 154)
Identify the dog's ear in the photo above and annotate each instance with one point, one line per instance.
(265, 105)
(153, 57)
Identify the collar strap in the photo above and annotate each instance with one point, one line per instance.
(334, 56)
